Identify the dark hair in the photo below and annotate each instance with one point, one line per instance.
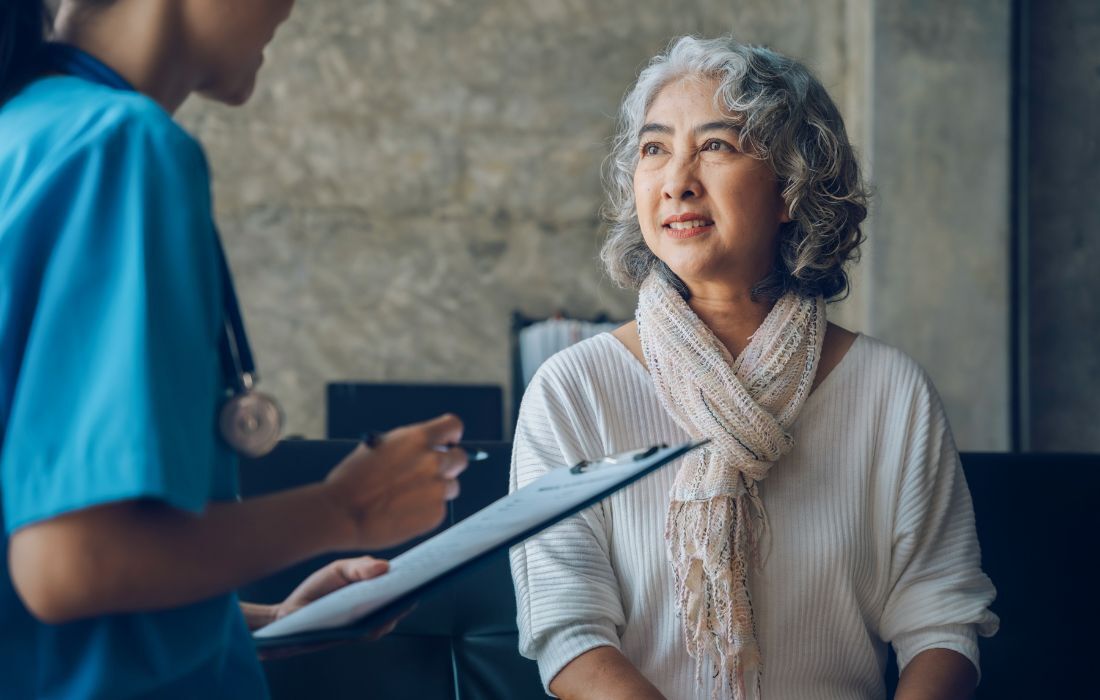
(22, 32)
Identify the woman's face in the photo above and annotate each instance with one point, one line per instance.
(709, 211)
(228, 38)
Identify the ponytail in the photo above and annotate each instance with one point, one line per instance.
(22, 32)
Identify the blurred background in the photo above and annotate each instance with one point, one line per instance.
(411, 174)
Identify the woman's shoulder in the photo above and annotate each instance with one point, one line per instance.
(81, 101)
(586, 375)
(61, 117)
(587, 396)
(878, 372)
(878, 357)
(586, 360)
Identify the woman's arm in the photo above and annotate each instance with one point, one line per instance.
(145, 555)
(602, 673)
(937, 674)
(939, 596)
(567, 593)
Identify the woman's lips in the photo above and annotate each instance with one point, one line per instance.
(687, 229)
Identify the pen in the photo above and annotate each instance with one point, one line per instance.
(372, 438)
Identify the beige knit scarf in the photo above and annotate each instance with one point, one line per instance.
(716, 519)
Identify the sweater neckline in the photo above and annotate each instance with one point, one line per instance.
(826, 383)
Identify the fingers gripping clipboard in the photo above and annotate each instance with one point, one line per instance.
(561, 492)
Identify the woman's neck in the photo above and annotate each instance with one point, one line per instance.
(138, 39)
(730, 313)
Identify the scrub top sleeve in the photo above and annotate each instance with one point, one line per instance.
(121, 377)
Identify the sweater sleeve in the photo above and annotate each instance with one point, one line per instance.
(567, 595)
(939, 596)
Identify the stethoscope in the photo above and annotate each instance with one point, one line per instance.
(249, 421)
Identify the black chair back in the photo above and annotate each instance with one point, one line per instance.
(1037, 522)
(353, 407)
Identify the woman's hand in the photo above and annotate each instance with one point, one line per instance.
(320, 583)
(399, 488)
(330, 578)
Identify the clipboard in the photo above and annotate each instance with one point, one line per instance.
(360, 607)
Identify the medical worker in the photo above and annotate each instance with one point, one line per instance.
(126, 381)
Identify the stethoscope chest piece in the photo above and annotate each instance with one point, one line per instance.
(251, 423)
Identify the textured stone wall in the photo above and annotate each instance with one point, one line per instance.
(941, 166)
(1063, 225)
(412, 171)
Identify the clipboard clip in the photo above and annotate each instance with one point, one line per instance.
(584, 465)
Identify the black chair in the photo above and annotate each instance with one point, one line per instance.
(353, 407)
(1036, 522)
(460, 641)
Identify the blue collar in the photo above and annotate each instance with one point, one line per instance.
(66, 58)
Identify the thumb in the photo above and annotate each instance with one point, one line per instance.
(334, 577)
(360, 569)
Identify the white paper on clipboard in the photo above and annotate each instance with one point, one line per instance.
(553, 496)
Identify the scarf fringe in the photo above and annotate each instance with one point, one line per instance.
(712, 590)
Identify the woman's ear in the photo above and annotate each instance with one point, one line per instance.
(784, 212)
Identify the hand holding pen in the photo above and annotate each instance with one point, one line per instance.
(372, 438)
(397, 487)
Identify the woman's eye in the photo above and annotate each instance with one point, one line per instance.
(716, 145)
(650, 149)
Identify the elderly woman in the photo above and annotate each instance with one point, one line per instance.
(735, 203)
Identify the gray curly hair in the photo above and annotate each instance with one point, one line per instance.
(787, 119)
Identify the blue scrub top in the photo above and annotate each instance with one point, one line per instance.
(111, 312)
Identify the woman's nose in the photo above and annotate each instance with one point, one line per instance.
(681, 180)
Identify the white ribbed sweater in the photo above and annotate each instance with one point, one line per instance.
(872, 530)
